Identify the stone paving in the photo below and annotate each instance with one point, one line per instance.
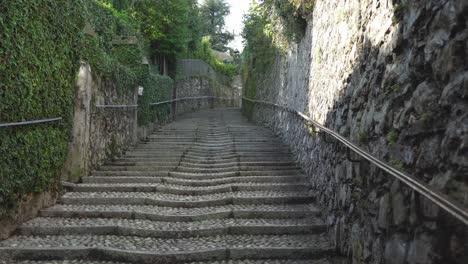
(209, 188)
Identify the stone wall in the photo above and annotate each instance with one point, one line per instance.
(391, 76)
(99, 133)
(199, 86)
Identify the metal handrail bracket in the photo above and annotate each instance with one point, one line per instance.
(440, 199)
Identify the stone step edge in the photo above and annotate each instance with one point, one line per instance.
(193, 191)
(186, 204)
(120, 230)
(222, 214)
(196, 183)
(145, 257)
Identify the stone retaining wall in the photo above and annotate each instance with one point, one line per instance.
(99, 133)
(199, 86)
(392, 77)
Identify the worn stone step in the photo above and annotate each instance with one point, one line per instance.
(158, 213)
(213, 145)
(239, 163)
(130, 173)
(197, 175)
(188, 190)
(163, 160)
(156, 250)
(244, 155)
(237, 151)
(188, 201)
(243, 261)
(148, 228)
(140, 168)
(270, 261)
(185, 163)
(197, 182)
(235, 168)
(215, 160)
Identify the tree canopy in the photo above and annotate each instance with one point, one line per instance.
(213, 16)
(170, 26)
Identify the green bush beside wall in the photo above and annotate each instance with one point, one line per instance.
(157, 88)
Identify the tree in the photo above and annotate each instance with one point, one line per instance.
(213, 15)
(194, 26)
(121, 5)
(164, 24)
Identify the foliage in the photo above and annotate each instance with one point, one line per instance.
(39, 44)
(292, 14)
(157, 88)
(213, 14)
(269, 28)
(204, 52)
(166, 24)
(119, 63)
(392, 137)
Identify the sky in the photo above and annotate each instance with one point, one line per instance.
(234, 20)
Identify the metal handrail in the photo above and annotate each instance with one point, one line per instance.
(191, 98)
(440, 199)
(166, 102)
(116, 106)
(31, 122)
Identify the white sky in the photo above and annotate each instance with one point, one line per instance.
(234, 20)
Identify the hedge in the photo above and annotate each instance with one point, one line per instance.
(157, 88)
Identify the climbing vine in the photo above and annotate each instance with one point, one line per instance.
(157, 88)
(41, 45)
(271, 26)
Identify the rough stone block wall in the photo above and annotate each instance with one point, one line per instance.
(113, 130)
(199, 86)
(99, 133)
(391, 76)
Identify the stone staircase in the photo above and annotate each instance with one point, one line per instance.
(209, 188)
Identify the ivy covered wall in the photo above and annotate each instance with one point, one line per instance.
(39, 54)
(41, 45)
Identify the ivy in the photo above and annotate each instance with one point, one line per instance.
(271, 26)
(39, 43)
(157, 88)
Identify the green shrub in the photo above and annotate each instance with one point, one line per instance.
(157, 89)
(119, 63)
(204, 53)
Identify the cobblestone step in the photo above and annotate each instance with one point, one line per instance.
(244, 261)
(189, 201)
(180, 214)
(159, 229)
(197, 182)
(199, 175)
(188, 190)
(156, 250)
(216, 160)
